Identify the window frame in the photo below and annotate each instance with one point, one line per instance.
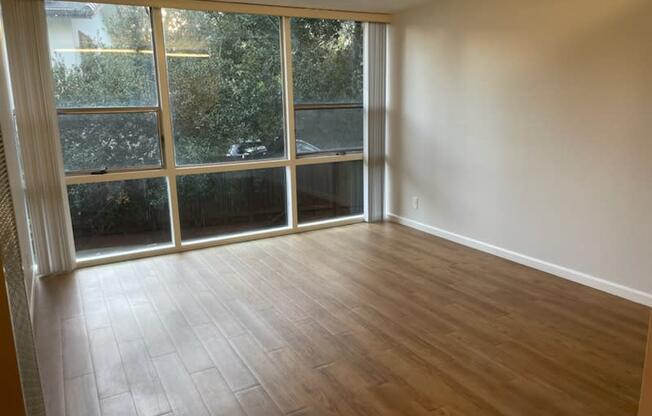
(118, 110)
(171, 171)
(330, 106)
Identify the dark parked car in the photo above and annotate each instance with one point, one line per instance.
(257, 149)
(249, 149)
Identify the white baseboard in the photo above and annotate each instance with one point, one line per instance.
(564, 272)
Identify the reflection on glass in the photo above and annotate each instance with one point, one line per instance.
(328, 191)
(218, 204)
(101, 54)
(225, 86)
(325, 130)
(119, 216)
(327, 58)
(109, 141)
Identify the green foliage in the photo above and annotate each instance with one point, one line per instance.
(327, 60)
(119, 208)
(233, 95)
(230, 199)
(92, 142)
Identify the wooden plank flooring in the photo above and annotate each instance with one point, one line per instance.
(357, 320)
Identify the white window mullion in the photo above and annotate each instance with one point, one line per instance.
(288, 84)
(166, 122)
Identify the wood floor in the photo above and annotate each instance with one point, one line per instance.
(357, 320)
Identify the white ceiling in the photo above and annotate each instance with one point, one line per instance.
(377, 6)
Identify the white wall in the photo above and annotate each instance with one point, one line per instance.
(64, 33)
(527, 125)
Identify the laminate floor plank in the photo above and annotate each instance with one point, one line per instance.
(67, 297)
(230, 365)
(81, 396)
(132, 285)
(179, 386)
(253, 320)
(221, 317)
(109, 373)
(122, 319)
(280, 386)
(320, 394)
(219, 399)
(186, 343)
(76, 348)
(256, 402)
(119, 405)
(144, 383)
(367, 319)
(185, 300)
(93, 304)
(49, 348)
(110, 280)
(155, 336)
(96, 313)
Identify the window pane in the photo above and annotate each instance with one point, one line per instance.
(225, 86)
(118, 216)
(327, 130)
(327, 61)
(330, 190)
(109, 141)
(101, 55)
(217, 204)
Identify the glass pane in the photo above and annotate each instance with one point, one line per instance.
(327, 60)
(329, 130)
(225, 86)
(118, 216)
(217, 204)
(329, 191)
(109, 141)
(101, 54)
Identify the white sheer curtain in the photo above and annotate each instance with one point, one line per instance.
(375, 87)
(38, 133)
(14, 168)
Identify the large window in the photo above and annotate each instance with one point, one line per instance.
(101, 55)
(180, 127)
(329, 190)
(327, 58)
(109, 121)
(225, 86)
(328, 85)
(109, 216)
(232, 202)
(110, 141)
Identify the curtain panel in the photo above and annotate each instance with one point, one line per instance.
(38, 134)
(375, 93)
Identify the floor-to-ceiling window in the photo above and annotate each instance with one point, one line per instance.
(327, 58)
(110, 123)
(187, 127)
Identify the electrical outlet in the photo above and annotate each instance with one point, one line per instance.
(415, 202)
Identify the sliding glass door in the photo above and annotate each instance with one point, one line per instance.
(188, 127)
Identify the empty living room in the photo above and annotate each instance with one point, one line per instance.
(326, 207)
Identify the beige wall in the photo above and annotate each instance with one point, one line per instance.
(528, 125)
